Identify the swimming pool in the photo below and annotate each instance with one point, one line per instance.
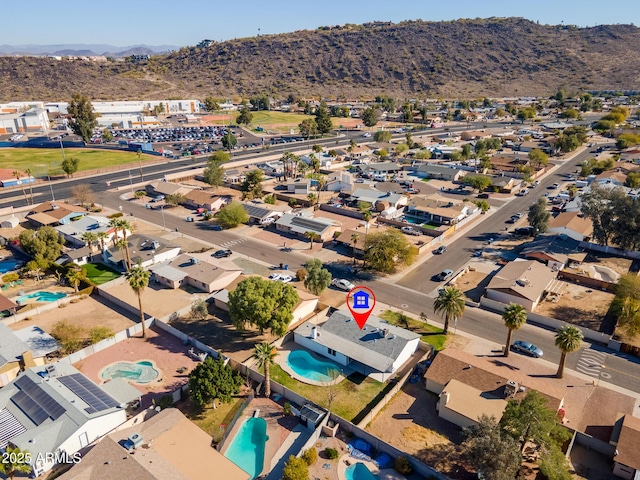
(359, 471)
(9, 264)
(139, 372)
(307, 366)
(41, 296)
(413, 220)
(247, 448)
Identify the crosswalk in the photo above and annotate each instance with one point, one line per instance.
(591, 362)
(233, 242)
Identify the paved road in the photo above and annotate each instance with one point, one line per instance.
(410, 294)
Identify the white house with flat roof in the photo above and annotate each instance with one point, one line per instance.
(378, 350)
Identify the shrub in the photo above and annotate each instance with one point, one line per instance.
(287, 408)
(115, 215)
(271, 199)
(403, 466)
(295, 469)
(331, 453)
(301, 274)
(310, 456)
(97, 334)
(69, 336)
(165, 402)
(10, 277)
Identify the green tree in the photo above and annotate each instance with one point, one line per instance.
(138, 279)
(401, 148)
(479, 182)
(514, 317)
(323, 120)
(354, 239)
(263, 304)
(199, 309)
(317, 278)
(15, 461)
(45, 243)
(490, 450)
(245, 116)
(229, 141)
(312, 236)
(450, 305)
(423, 155)
(627, 140)
(388, 104)
(174, 199)
(386, 250)
(211, 104)
(313, 198)
(382, 136)
(70, 165)
(75, 276)
(214, 173)
(568, 339)
(90, 239)
(122, 226)
(308, 128)
(106, 135)
(570, 113)
(295, 469)
(554, 465)
(538, 216)
(538, 158)
(232, 215)
(264, 354)
(632, 180)
(252, 185)
(83, 117)
(483, 205)
(526, 114)
(370, 116)
(212, 380)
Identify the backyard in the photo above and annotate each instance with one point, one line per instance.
(99, 273)
(212, 420)
(47, 161)
(428, 333)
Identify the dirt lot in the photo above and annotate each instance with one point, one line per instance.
(87, 313)
(473, 284)
(579, 305)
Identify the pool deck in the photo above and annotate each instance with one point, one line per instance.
(281, 360)
(153, 365)
(279, 429)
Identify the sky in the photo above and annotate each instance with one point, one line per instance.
(186, 22)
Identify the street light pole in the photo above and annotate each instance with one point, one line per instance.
(53, 197)
(162, 210)
(130, 181)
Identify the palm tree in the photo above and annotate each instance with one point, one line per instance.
(138, 279)
(18, 175)
(264, 353)
(313, 198)
(14, 461)
(366, 216)
(102, 238)
(122, 225)
(120, 243)
(354, 239)
(28, 172)
(568, 339)
(76, 276)
(90, 238)
(312, 236)
(450, 304)
(514, 317)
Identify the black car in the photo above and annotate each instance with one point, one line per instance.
(524, 231)
(221, 254)
(440, 250)
(483, 195)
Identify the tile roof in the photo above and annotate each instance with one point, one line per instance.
(572, 221)
(556, 246)
(629, 443)
(528, 278)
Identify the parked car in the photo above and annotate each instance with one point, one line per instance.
(445, 275)
(274, 276)
(524, 231)
(483, 195)
(159, 198)
(440, 250)
(527, 348)
(517, 215)
(285, 278)
(554, 186)
(343, 284)
(222, 253)
(410, 231)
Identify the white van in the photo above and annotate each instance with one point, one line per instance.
(379, 177)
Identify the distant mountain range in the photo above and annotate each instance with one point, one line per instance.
(85, 50)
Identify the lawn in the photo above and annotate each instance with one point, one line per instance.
(352, 394)
(47, 161)
(429, 334)
(214, 421)
(281, 122)
(99, 273)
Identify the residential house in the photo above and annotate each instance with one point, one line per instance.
(167, 188)
(24, 348)
(346, 239)
(202, 199)
(8, 178)
(382, 168)
(556, 250)
(611, 177)
(300, 225)
(7, 305)
(340, 182)
(11, 222)
(299, 186)
(144, 250)
(79, 256)
(234, 176)
(468, 388)
(374, 196)
(626, 439)
(361, 150)
(54, 213)
(59, 410)
(631, 154)
(469, 135)
(505, 184)
(167, 446)
(441, 172)
(572, 224)
(523, 282)
(73, 231)
(197, 271)
(258, 213)
(527, 146)
(378, 349)
(437, 209)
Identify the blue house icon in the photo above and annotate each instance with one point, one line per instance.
(360, 299)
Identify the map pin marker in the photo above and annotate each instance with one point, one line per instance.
(360, 303)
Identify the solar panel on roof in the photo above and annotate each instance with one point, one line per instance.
(307, 223)
(36, 395)
(88, 392)
(9, 427)
(29, 407)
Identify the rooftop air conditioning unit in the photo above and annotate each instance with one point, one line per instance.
(194, 260)
(135, 440)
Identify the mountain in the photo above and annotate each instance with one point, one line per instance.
(83, 50)
(415, 59)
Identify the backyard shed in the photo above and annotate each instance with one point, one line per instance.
(11, 222)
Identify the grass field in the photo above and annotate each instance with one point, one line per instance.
(46, 161)
(429, 333)
(99, 273)
(215, 420)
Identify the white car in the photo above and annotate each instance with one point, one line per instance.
(274, 276)
(285, 278)
(343, 284)
(366, 134)
(410, 231)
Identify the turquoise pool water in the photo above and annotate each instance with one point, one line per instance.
(247, 448)
(41, 296)
(8, 265)
(307, 366)
(359, 472)
(413, 220)
(139, 372)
